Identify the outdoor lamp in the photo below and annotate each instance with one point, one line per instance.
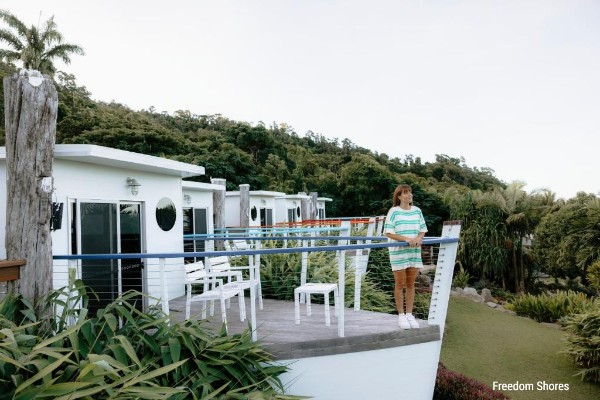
(133, 185)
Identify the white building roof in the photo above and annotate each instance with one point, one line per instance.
(201, 186)
(265, 193)
(100, 155)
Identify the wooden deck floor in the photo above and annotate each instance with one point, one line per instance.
(278, 333)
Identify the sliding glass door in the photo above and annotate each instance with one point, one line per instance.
(109, 228)
(195, 221)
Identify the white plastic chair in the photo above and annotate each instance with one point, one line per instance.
(214, 289)
(221, 266)
(253, 266)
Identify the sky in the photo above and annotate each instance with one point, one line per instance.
(510, 85)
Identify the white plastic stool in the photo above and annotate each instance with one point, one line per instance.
(317, 288)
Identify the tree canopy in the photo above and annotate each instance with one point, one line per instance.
(35, 48)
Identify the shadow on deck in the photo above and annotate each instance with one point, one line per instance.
(280, 336)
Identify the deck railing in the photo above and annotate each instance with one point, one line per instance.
(156, 263)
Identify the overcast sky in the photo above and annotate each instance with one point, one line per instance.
(509, 85)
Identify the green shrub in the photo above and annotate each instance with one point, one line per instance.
(550, 307)
(593, 275)
(124, 353)
(380, 270)
(280, 274)
(461, 278)
(421, 306)
(454, 386)
(584, 343)
(502, 295)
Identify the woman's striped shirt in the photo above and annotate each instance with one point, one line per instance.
(407, 223)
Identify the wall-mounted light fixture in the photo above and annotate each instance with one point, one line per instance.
(187, 198)
(133, 185)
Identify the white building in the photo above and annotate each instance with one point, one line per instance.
(116, 201)
(290, 207)
(321, 207)
(262, 208)
(198, 213)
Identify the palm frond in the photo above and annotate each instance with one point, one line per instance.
(12, 21)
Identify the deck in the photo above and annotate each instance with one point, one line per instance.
(280, 336)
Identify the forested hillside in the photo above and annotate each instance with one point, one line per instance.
(266, 156)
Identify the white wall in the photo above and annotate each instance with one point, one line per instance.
(280, 211)
(232, 210)
(405, 372)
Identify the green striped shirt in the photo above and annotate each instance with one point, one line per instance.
(407, 223)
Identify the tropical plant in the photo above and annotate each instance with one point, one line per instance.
(550, 307)
(36, 48)
(124, 353)
(593, 275)
(567, 239)
(482, 248)
(461, 278)
(584, 343)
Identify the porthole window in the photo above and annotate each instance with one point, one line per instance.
(166, 214)
(298, 211)
(253, 213)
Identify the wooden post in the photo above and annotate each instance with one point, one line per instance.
(305, 204)
(31, 105)
(313, 205)
(219, 209)
(245, 205)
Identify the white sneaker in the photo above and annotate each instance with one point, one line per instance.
(412, 322)
(403, 322)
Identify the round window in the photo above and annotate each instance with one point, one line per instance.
(298, 211)
(253, 213)
(166, 214)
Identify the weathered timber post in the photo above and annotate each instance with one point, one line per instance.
(305, 204)
(31, 105)
(244, 205)
(219, 209)
(313, 205)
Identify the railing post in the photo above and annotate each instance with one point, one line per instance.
(344, 232)
(163, 286)
(72, 266)
(440, 295)
(303, 270)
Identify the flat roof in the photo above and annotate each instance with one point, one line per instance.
(201, 186)
(265, 193)
(100, 155)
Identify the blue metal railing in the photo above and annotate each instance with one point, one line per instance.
(340, 249)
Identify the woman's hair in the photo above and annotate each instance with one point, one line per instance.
(399, 190)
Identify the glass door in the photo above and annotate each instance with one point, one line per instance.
(130, 240)
(108, 228)
(266, 217)
(195, 221)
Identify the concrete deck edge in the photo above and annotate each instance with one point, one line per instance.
(343, 345)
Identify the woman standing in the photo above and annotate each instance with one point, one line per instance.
(405, 223)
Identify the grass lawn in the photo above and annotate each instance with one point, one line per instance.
(489, 345)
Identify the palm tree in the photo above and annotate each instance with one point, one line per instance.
(35, 48)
